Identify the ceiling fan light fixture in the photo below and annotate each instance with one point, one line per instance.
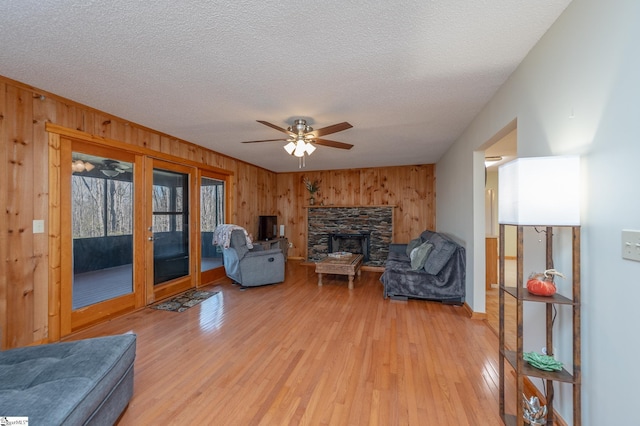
(290, 147)
(300, 135)
(81, 166)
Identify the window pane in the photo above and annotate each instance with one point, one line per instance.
(87, 206)
(212, 205)
(120, 207)
(102, 227)
(170, 225)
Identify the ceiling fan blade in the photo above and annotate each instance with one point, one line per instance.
(278, 128)
(332, 144)
(266, 140)
(331, 129)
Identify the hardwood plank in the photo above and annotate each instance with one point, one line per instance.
(296, 353)
(19, 261)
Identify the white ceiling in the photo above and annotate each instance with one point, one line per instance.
(409, 76)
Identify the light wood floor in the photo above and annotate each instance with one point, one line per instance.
(295, 353)
(492, 307)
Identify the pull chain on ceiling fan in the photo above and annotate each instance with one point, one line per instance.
(300, 136)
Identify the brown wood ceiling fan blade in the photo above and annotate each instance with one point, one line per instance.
(331, 129)
(332, 144)
(266, 140)
(278, 128)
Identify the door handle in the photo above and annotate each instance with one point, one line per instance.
(151, 238)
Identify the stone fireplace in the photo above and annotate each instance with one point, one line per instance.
(367, 230)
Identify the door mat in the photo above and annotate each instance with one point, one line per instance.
(184, 301)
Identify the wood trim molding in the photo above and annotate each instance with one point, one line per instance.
(135, 149)
(473, 315)
(54, 239)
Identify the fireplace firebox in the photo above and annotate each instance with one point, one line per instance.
(352, 242)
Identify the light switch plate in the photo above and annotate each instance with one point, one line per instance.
(631, 244)
(38, 226)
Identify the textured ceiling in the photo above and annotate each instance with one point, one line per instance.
(409, 76)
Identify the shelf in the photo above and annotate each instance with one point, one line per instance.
(556, 298)
(529, 370)
(515, 359)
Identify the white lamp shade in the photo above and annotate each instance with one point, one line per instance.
(541, 191)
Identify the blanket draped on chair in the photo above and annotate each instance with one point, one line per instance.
(222, 235)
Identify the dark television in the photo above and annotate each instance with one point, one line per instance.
(267, 227)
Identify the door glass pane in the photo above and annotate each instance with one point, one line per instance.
(211, 215)
(102, 228)
(170, 225)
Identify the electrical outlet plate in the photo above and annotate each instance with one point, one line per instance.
(631, 244)
(38, 226)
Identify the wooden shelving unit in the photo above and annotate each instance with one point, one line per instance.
(514, 357)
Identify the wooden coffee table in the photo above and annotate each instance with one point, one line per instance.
(348, 265)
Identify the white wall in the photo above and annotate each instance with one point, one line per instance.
(578, 91)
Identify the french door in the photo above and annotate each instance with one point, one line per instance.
(101, 249)
(169, 228)
(126, 232)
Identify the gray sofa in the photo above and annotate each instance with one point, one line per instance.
(252, 267)
(438, 272)
(84, 382)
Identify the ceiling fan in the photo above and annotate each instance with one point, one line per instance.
(112, 168)
(300, 135)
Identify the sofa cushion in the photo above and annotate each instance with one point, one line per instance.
(67, 383)
(419, 256)
(413, 244)
(442, 251)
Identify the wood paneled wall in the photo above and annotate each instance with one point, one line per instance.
(411, 189)
(24, 196)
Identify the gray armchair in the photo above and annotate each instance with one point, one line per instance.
(252, 267)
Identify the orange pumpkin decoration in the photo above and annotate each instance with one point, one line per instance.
(542, 284)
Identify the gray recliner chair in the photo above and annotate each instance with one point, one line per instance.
(252, 267)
